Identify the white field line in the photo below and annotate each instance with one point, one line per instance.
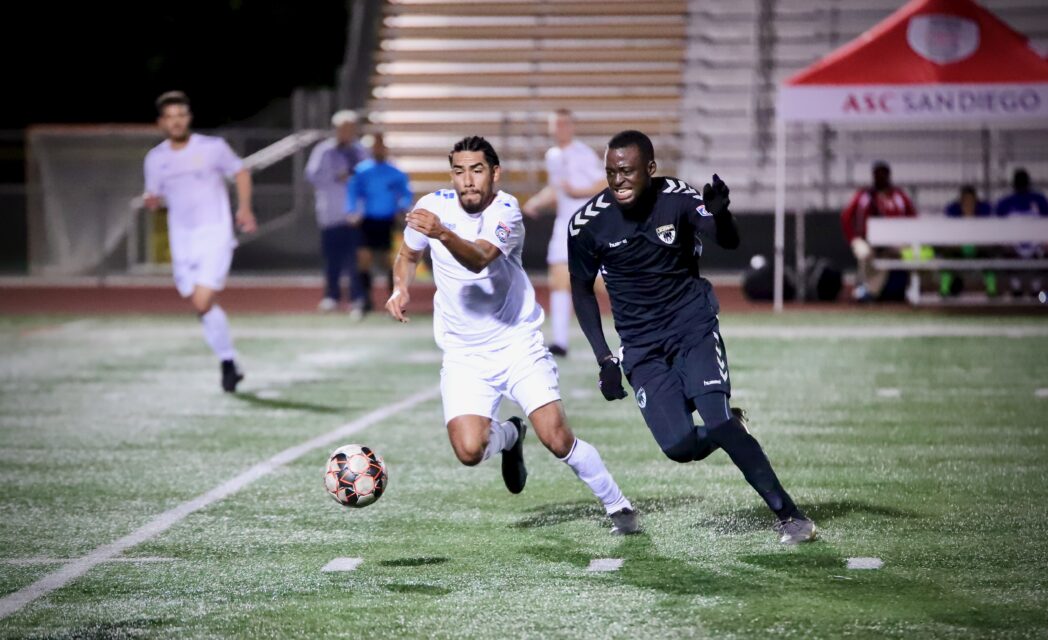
(64, 575)
(865, 563)
(604, 565)
(35, 560)
(342, 564)
(422, 327)
(842, 332)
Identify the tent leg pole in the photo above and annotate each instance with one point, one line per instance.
(780, 210)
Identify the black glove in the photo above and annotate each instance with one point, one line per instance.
(715, 197)
(611, 380)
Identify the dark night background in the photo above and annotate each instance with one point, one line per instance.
(106, 62)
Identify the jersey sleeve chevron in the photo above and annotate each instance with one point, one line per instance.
(591, 210)
(676, 185)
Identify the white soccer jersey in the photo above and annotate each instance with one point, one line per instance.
(192, 181)
(579, 166)
(486, 310)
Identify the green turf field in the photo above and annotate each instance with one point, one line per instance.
(919, 440)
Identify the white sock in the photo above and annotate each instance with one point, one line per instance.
(587, 465)
(560, 316)
(501, 436)
(216, 333)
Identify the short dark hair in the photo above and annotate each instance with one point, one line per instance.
(475, 143)
(967, 188)
(633, 138)
(1021, 180)
(169, 98)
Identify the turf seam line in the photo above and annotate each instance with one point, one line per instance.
(13, 602)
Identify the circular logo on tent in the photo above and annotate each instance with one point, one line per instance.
(941, 38)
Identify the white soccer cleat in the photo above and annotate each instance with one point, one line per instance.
(327, 305)
(795, 530)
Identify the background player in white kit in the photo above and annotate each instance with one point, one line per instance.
(575, 174)
(487, 322)
(187, 173)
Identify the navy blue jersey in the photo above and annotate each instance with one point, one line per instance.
(648, 257)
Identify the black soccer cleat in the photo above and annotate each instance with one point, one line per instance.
(625, 522)
(557, 350)
(231, 376)
(514, 473)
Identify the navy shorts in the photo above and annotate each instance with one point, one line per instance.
(377, 233)
(669, 379)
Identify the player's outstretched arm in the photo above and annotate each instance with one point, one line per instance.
(475, 256)
(588, 313)
(715, 199)
(404, 269)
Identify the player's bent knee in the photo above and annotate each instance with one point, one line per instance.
(682, 451)
(692, 448)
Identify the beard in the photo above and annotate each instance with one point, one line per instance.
(475, 207)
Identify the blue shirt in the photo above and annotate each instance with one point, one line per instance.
(982, 209)
(1023, 204)
(380, 187)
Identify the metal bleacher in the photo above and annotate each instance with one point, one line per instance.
(699, 76)
(452, 68)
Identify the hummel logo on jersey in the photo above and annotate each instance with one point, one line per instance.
(585, 215)
(667, 233)
(502, 232)
(707, 383)
(619, 243)
(679, 186)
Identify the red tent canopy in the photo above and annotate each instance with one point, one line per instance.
(930, 60)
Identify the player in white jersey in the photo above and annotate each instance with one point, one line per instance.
(487, 322)
(575, 174)
(187, 173)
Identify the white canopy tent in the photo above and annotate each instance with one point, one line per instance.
(930, 61)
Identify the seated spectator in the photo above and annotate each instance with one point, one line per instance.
(881, 199)
(1024, 201)
(967, 205)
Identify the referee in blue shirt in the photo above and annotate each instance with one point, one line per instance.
(377, 192)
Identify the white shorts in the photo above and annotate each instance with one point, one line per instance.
(202, 260)
(557, 251)
(474, 383)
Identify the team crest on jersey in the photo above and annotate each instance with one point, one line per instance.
(642, 398)
(502, 232)
(667, 233)
(702, 211)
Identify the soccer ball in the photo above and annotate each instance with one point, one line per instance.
(355, 475)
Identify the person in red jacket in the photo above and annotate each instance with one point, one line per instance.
(881, 199)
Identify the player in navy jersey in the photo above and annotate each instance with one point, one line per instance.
(644, 235)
